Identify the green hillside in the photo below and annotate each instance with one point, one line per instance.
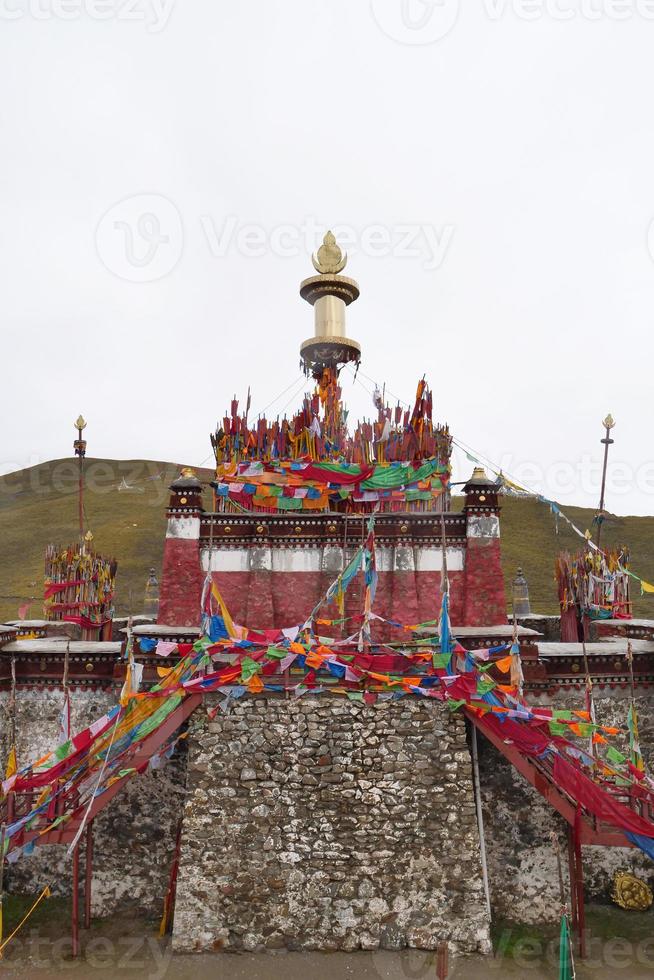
(39, 505)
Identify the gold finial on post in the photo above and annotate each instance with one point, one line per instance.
(329, 293)
(329, 259)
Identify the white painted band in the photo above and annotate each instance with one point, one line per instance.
(328, 559)
(183, 528)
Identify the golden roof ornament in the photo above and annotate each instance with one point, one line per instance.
(329, 259)
(81, 423)
(609, 422)
(188, 472)
(629, 892)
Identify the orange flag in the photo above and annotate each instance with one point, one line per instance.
(504, 664)
(255, 684)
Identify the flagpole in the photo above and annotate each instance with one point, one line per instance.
(480, 820)
(2, 879)
(608, 424)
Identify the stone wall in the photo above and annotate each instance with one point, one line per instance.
(521, 862)
(134, 837)
(321, 823)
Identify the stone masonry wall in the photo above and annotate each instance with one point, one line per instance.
(322, 823)
(517, 821)
(134, 837)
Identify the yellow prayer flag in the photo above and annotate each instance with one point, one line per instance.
(229, 624)
(12, 767)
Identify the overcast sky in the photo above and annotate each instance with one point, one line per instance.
(167, 167)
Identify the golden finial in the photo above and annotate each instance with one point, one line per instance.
(88, 537)
(608, 422)
(188, 472)
(80, 424)
(330, 259)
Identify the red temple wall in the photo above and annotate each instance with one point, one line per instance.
(265, 599)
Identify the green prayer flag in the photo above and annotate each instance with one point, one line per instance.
(160, 715)
(249, 667)
(566, 966)
(63, 750)
(485, 684)
(277, 652)
(558, 728)
(614, 756)
(289, 503)
(441, 659)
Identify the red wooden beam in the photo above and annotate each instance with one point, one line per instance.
(65, 833)
(588, 833)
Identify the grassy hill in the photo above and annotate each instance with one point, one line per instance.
(39, 505)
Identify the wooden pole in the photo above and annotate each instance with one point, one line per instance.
(2, 878)
(442, 961)
(80, 451)
(480, 820)
(590, 707)
(75, 903)
(11, 796)
(579, 879)
(80, 497)
(88, 875)
(606, 441)
(573, 878)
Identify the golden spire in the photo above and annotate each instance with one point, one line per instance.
(330, 259)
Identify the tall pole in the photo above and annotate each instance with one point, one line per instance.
(80, 451)
(608, 424)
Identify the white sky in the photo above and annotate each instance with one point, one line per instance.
(517, 149)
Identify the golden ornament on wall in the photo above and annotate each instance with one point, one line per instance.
(630, 892)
